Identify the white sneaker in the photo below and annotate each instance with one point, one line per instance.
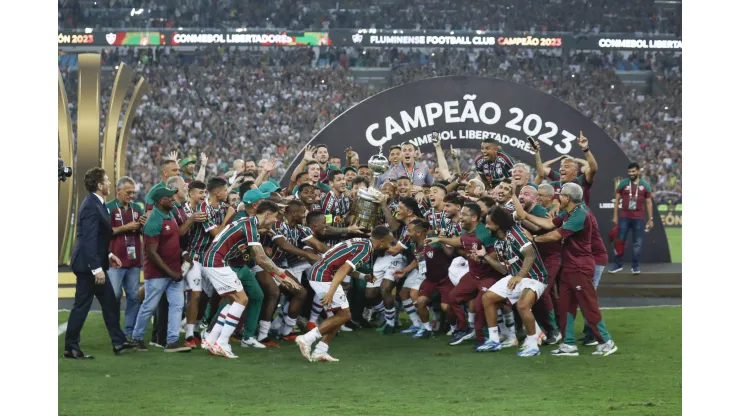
(211, 348)
(541, 337)
(277, 325)
(509, 342)
(323, 357)
(305, 347)
(451, 331)
(224, 350)
(154, 344)
(565, 350)
(204, 341)
(607, 348)
(344, 328)
(252, 342)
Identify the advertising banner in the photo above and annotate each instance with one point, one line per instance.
(466, 110)
(366, 38)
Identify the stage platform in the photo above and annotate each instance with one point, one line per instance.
(656, 280)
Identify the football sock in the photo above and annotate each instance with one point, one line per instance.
(189, 330)
(232, 320)
(321, 348)
(390, 316)
(312, 336)
(408, 306)
(379, 307)
(264, 330)
(219, 325)
(531, 341)
(428, 326)
(288, 324)
(471, 319)
(493, 334)
(315, 309)
(510, 323)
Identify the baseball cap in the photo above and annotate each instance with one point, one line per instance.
(254, 195)
(346, 168)
(162, 192)
(269, 187)
(187, 161)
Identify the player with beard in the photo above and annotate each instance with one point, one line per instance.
(525, 281)
(570, 172)
(326, 278)
(322, 156)
(417, 172)
(392, 266)
(480, 275)
(238, 236)
(169, 168)
(575, 228)
(493, 165)
(312, 166)
(218, 215)
(290, 240)
(335, 204)
(187, 169)
(550, 254)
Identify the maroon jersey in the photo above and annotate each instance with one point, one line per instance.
(633, 197)
(182, 213)
(550, 252)
(161, 229)
(601, 257)
(576, 229)
(495, 171)
(126, 246)
(474, 240)
(435, 262)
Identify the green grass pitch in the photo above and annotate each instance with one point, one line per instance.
(385, 375)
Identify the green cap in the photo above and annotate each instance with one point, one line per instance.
(269, 187)
(254, 195)
(346, 168)
(187, 161)
(162, 192)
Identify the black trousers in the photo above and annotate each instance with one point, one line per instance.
(85, 290)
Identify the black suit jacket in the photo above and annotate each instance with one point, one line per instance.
(94, 232)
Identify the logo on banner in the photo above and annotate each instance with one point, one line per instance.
(357, 38)
(110, 38)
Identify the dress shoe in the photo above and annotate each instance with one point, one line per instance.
(118, 350)
(77, 354)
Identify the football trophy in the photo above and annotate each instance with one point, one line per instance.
(368, 204)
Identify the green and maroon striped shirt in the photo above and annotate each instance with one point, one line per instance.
(510, 253)
(232, 241)
(200, 236)
(354, 251)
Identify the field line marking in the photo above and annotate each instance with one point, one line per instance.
(642, 307)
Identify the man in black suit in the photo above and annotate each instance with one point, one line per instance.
(89, 261)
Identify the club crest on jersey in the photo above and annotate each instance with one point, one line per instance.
(420, 175)
(430, 254)
(641, 187)
(118, 216)
(136, 215)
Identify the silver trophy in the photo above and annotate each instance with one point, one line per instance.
(368, 204)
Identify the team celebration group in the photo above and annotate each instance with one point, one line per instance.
(504, 255)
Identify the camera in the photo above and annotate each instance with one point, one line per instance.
(64, 171)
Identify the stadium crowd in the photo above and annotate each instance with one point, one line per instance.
(269, 102)
(603, 16)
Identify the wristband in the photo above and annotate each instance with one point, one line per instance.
(283, 276)
(362, 275)
(586, 150)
